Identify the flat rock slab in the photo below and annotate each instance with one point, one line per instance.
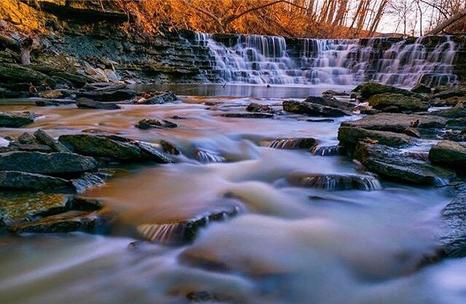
(293, 143)
(397, 122)
(86, 103)
(26, 206)
(449, 154)
(335, 182)
(15, 119)
(454, 217)
(117, 95)
(312, 109)
(390, 102)
(50, 163)
(15, 180)
(350, 136)
(391, 163)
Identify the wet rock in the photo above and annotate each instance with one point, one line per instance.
(15, 146)
(350, 137)
(86, 103)
(391, 163)
(312, 109)
(27, 206)
(53, 102)
(152, 153)
(370, 89)
(15, 119)
(170, 148)
(330, 101)
(413, 132)
(335, 182)
(452, 92)
(116, 95)
(14, 73)
(397, 122)
(161, 98)
(259, 108)
(247, 115)
(27, 138)
(52, 163)
(102, 146)
(44, 138)
(459, 111)
(207, 156)
(87, 181)
(449, 154)
(15, 180)
(395, 103)
(331, 150)
(70, 221)
(454, 215)
(53, 94)
(421, 88)
(155, 123)
(186, 230)
(293, 143)
(447, 102)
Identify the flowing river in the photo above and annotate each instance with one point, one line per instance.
(288, 243)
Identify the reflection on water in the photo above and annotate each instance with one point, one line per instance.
(290, 244)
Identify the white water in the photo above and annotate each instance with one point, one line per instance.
(257, 59)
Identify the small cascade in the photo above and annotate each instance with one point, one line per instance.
(293, 143)
(326, 150)
(207, 156)
(257, 59)
(335, 182)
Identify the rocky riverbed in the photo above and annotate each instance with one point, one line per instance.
(193, 178)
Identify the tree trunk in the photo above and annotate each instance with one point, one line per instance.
(453, 19)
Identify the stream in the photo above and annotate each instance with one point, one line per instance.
(288, 243)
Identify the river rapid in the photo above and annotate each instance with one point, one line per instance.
(288, 244)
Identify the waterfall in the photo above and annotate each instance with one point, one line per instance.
(258, 59)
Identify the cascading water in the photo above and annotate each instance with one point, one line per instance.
(258, 59)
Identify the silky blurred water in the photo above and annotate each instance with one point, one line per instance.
(289, 244)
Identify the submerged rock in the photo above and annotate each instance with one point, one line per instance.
(15, 180)
(312, 109)
(393, 164)
(42, 163)
(86, 103)
(293, 143)
(207, 156)
(170, 148)
(335, 182)
(449, 154)
(15, 119)
(390, 102)
(155, 123)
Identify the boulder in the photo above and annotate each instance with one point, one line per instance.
(312, 109)
(330, 101)
(15, 119)
(102, 146)
(42, 163)
(370, 89)
(449, 154)
(349, 137)
(86, 103)
(392, 102)
(15, 180)
(155, 123)
(397, 122)
(44, 138)
(395, 165)
(113, 147)
(422, 89)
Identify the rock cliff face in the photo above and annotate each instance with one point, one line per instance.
(82, 36)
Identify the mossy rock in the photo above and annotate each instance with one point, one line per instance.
(394, 102)
(14, 73)
(369, 89)
(449, 154)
